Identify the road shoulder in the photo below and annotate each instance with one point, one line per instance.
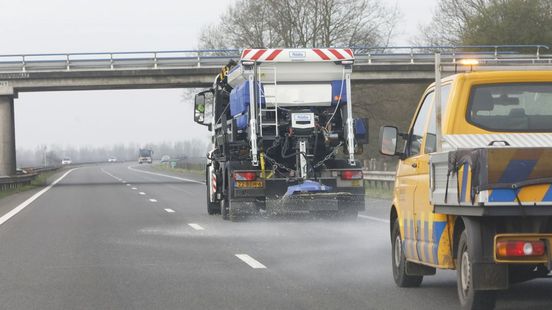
(11, 201)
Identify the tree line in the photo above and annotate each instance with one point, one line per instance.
(52, 155)
(326, 23)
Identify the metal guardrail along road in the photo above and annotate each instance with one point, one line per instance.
(7, 183)
(27, 176)
(379, 178)
(402, 55)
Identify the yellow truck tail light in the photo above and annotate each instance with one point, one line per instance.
(523, 248)
(520, 248)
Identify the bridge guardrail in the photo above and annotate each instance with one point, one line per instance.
(400, 55)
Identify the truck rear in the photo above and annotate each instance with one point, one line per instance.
(284, 139)
(145, 156)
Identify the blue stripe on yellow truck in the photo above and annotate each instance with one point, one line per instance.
(429, 243)
(516, 171)
(511, 168)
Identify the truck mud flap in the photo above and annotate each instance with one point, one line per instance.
(243, 207)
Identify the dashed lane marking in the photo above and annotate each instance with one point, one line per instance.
(371, 218)
(134, 188)
(196, 226)
(253, 263)
(169, 210)
(142, 193)
(153, 200)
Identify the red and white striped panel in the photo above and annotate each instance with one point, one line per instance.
(289, 55)
(214, 183)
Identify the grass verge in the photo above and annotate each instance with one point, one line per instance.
(166, 168)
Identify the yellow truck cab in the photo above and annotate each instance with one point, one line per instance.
(475, 196)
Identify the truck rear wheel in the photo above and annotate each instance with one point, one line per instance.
(470, 299)
(399, 261)
(212, 207)
(224, 204)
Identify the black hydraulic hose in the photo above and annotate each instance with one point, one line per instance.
(315, 142)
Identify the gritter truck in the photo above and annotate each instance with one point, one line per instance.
(145, 156)
(473, 185)
(284, 138)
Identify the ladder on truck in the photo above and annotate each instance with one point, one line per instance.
(266, 76)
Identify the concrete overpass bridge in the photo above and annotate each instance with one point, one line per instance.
(382, 77)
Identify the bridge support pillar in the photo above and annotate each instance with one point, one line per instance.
(7, 136)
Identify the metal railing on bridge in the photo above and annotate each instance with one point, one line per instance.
(489, 54)
(399, 55)
(116, 60)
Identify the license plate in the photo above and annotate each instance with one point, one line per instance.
(357, 183)
(249, 184)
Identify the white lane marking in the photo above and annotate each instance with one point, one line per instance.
(164, 175)
(153, 200)
(129, 184)
(373, 218)
(196, 226)
(124, 182)
(111, 175)
(169, 210)
(142, 193)
(134, 188)
(253, 263)
(34, 197)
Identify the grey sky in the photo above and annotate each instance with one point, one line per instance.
(108, 117)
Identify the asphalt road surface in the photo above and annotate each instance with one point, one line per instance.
(109, 237)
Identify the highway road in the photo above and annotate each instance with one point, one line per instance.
(110, 237)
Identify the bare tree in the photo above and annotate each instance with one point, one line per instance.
(465, 22)
(302, 23)
(449, 22)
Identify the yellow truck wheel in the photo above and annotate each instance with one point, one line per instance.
(399, 261)
(470, 299)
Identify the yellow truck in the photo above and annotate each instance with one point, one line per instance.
(473, 184)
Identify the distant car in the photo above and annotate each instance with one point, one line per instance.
(112, 159)
(66, 161)
(165, 159)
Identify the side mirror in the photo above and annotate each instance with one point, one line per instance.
(361, 130)
(388, 136)
(430, 143)
(199, 109)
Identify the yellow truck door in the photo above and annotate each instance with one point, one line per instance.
(431, 240)
(408, 178)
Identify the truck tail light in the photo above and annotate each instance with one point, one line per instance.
(351, 175)
(245, 176)
(520, 248)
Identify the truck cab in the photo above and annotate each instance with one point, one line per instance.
(476, 195)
